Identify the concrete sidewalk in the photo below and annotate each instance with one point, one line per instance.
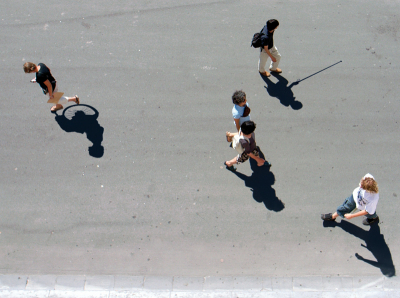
(118, 286)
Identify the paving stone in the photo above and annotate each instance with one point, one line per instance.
(392, 283)
(248, 283)
(335, 283)
(160, 283)
(70, 282)
(24, 294)
(267, 294)
(128, 283)
(41, 282)
(267, 284)
(206, 294)
(99, 282)
(307, 283)
(79, 294)
(282, 283)
(13, 282)
(370, 283)
(215, 283)
(182, 283)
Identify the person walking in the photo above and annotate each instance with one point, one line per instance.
(247, 141)
(48, 84)
(268, 49)
(364, 198)
(240, 110)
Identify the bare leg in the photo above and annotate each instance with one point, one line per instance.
(231, 162)
(56, 107)
(334, 215)
(75, 99)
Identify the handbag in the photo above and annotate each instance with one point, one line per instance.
(236, 143)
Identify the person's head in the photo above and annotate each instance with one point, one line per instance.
(239, 97)
(29, 67)
(248, 127)
(369, 184)
(272, 24)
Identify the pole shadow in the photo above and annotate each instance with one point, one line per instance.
(374, 242)
(260, 182)
(83, 119)
(282, 91)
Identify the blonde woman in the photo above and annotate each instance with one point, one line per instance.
(364, 198)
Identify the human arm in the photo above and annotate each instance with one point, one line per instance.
(359, 213)
(237, 123)
(49, 88)
(269, 54)
(258, 159)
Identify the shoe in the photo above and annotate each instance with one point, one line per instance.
(370, 221)
(77, 99)
(327, 217)
(231, 168)
(265, 74)
(277, 70)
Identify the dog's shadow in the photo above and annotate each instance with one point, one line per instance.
(83, 119)
(260, 182)
(374, 242)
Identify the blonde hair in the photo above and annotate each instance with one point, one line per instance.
(29, 66)
(370, 185)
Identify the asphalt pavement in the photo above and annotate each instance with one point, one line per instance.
(136, 186)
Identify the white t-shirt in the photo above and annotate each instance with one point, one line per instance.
(366, 200)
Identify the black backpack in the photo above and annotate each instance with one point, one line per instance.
(256, 41)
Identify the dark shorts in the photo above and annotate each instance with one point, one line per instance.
(244, 156)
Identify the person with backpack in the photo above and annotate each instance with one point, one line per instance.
(48, 84)
(268, 49)
(245, 143)
(240, 110)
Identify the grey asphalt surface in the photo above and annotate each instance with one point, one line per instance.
(161, 75)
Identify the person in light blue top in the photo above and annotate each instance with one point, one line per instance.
(240, 110)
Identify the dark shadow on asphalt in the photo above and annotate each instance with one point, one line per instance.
(374, 242)
(260, 182)
(282, 91)
(83, 119)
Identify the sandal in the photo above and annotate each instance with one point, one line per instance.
(265, 74)
(231, 168)
(77, 99)
(327, 217)
(277, 70)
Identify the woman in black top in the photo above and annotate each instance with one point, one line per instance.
(48, 84)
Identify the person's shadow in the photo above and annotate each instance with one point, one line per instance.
(374, 242)
(83, 119)
(260, 182)
(282, 91)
